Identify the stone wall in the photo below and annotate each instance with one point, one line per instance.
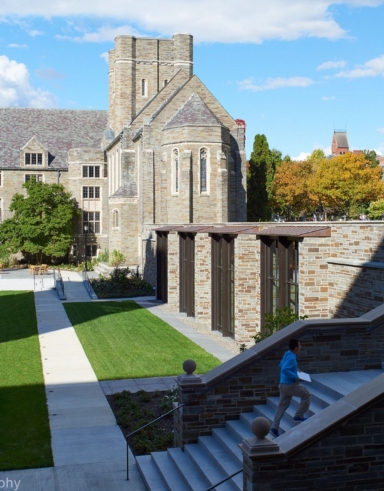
(248, 379)
(247, 288)
(351, 457)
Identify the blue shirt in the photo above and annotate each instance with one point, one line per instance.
(288, 368)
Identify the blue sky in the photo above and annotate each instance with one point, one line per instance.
(294, 70)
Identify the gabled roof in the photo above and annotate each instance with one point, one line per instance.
(194, 112)
(341, 139)
(58, 130)
(126, 190)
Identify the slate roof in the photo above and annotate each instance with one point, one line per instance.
(126, 190)
(341, 139)
(194, 112)
(58, 130)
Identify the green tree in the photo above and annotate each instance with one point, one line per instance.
(42, 223)
(376, 209)
(259, 180)
(371, 156)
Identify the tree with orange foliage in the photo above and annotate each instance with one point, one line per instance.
(346, 181)
(290, 188)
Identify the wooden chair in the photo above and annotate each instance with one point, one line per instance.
(43, 269)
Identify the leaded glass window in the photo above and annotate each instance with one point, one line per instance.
(203, 170)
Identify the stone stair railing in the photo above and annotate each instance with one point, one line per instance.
(214, 457)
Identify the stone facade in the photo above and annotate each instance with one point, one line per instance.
(165, 152)
(340, 271)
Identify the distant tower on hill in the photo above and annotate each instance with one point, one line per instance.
(340, 144)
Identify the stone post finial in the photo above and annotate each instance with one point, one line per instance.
(189, 366)
(260, 444)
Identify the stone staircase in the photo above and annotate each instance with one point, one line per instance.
(214, 457)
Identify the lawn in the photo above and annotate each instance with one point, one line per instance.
(25, 439)
(124, 340)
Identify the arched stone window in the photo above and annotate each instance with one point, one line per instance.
(143, 87)
(115, 218)
(175, 170)
(203, 170)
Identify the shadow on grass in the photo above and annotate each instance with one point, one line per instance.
(25, 438)
(88, 311)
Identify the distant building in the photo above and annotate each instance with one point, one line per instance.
(340, 144)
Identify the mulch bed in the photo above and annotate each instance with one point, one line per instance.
(133, 410)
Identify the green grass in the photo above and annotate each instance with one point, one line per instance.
(25, 439)
(124, 340)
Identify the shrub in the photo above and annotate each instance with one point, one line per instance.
(116, 259)
(273, 322)
(104, 256)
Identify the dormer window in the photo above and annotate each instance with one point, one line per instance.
(33, 159)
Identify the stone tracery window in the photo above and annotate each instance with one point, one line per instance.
(203, 170)
(176, 170)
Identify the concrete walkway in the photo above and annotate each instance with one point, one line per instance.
(88, 447)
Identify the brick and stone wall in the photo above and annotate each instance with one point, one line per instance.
(248, 379)
(351, 457)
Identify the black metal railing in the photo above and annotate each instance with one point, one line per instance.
(146, 426)
(224, 480)
(87, 283)
(58, 280)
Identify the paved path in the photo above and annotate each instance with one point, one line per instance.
(88, 447)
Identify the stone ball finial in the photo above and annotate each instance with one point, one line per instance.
(189, 366)
(260, 427)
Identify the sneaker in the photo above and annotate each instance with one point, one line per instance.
(274, 432)
(299, 418)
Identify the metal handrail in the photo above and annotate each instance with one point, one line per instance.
(224, 480)
(87, 283)
(145, 426)
(57, 280)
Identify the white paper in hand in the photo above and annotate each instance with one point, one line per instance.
(304, 376)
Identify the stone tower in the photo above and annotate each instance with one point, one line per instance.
(139, 68)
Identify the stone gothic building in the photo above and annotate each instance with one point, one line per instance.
(166, 152)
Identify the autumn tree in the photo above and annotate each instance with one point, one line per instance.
(347, 181)
(42, 223)
(290, 190)
(260, 175)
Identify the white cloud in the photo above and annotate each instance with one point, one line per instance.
(380, 130)
(302, 156)
(275, 83)
(372, 68)
(328, 65)
(105, 56)
(34, 32)
(252, 21)
(330, 98)
(15, 89)
(49, 73)
(13, 45)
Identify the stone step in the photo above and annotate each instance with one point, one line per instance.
(207, 467)
(214, 457)
(229, 442)
(194, 481)
(219, 455)
(150, 474)
(170, 474)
